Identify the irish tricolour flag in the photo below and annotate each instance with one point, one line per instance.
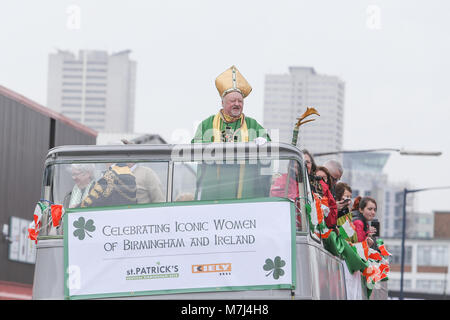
(347, 230)
(362, 249)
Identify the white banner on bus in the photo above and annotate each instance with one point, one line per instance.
(168, 249)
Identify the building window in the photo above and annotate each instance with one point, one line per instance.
(72, 62)
(398, 211)
(96, 77)
(430, 285)
(97, 62)
(71, 77)
(66, 113)
(95, 99)
(102, 113)
(396, 256)
(72, 69)
(71, 98)
(435, 255)
(394, 284)
(95, 120)
(95, 91)
(71, 105)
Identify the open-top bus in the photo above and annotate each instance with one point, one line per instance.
(222, 226)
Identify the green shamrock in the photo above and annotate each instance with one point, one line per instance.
(83, 227)
(275, 267)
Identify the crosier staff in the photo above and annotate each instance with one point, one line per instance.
(307, 113)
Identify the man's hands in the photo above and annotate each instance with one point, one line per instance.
(371, 232)
(260, 141)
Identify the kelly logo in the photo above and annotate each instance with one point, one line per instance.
(214, 267)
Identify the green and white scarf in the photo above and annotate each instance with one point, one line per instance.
(77, 196)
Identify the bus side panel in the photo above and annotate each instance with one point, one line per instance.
(328, 275)
(49, 273)
(304, 280)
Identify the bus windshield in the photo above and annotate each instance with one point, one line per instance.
(100, 184)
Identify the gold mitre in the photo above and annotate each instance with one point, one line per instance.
(232, 80)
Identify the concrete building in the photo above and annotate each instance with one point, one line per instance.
(94, 88)
(421, 225)
(442, 224)
(29, 130)
(426, 265)
(286, 97)
(427, 261)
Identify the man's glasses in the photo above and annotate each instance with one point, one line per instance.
(333, 179)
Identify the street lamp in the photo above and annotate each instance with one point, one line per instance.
(403, 152)
(402, 264)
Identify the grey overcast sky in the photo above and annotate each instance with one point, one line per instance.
(392, 55)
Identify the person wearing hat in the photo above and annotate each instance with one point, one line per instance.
(230, 124)
(223, 180)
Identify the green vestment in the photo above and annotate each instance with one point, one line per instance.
(221, 181)
(205, 134)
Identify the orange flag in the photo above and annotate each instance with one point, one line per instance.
(318, 208)
(383, 250)
(56, 214)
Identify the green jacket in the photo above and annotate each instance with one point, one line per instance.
(204, 133)
(221, 181)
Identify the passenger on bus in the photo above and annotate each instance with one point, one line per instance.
(319, 186)
(311, 168)
(323, 172)
(230, 124)
(344, 192)
(83, 176)
(284, 189)
(185, 196)
(366, 213)
(149, 188)
(355, 206)
(336, 172)
(116, 187)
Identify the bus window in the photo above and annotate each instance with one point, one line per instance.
(193, 181)
(84, 185)
(151, 181)
(220, 181)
